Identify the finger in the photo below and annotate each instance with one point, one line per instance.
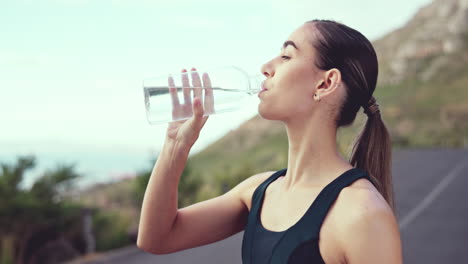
(196, 84)
(186, 88)
(209, 98)
(197, 113)
(173, 92)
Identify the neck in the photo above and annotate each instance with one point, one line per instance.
(313, 159)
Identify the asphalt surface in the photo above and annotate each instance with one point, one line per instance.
(432, 209)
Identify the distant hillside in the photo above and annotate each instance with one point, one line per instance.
(423, 77)
(431, 46)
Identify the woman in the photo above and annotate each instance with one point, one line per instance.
(322, 208)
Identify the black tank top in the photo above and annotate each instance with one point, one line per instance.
(299, 243)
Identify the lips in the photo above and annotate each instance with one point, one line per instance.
(263, 89)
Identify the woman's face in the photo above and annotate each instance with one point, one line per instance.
(291, 79)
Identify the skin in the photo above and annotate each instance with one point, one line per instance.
(359, 227)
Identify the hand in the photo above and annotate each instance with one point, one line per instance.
(186, 132)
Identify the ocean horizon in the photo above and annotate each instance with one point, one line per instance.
(94, 165)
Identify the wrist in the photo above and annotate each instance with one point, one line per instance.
(176, 146)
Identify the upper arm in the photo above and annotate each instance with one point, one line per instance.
(373, 236)
(211, 220)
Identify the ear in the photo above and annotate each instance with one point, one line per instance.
(329, 83)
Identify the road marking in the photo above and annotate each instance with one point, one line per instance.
(415, 212)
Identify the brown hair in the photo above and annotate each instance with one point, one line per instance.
(341, 47)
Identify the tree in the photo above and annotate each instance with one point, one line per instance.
(26, 212)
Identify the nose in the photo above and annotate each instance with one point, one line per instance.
(267, 69)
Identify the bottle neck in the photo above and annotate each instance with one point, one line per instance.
(255, 83)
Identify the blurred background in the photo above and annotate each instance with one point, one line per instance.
(76, 150)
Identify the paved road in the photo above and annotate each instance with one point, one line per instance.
(432, 209)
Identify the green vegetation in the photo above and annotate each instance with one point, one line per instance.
(43, 223)
(426, 114)
(31, 219)
(111, 230)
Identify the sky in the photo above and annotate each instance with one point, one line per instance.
(71, 71)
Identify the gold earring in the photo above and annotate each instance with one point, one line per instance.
(318, 97)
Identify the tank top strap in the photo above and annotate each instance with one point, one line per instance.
(316, 214)
(252, 221)
(308, 227)
(259, 192)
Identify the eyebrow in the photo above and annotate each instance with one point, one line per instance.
(289, 42)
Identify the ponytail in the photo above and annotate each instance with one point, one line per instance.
(372, 152)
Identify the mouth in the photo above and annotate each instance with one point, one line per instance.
(263, 90)
(263, 87)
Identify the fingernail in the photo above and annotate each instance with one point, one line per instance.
(193, 69)
(184, 70)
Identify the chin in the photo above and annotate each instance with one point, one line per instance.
(266, 112)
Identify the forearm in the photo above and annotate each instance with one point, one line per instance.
(159, 208)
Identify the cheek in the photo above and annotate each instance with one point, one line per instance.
(297, 103)
(298, 77)
(292, 94)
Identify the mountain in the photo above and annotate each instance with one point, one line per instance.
(431, 46)
(423, 77)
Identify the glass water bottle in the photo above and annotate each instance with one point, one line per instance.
(169, 98)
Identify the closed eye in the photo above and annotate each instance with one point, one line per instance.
(285, 57)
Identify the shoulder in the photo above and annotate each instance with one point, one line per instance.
(370, 233)
(253, 181)
(246, 188)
